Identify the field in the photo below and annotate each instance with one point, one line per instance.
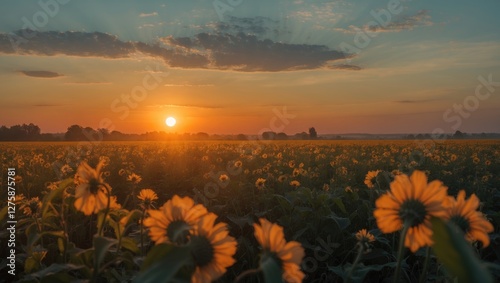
(320, 192)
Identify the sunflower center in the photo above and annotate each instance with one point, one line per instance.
(412, 212)
(93, 186)
(202, 251)
(178, 231)
(461, 222)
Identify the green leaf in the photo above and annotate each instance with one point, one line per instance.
(31, 264)
(456, 254)
(54, 269)
(101, 246)
(340, 204)
(55, 193)
(341, 222)
(271, 270)
(130, 245)
(162, 263)
(3, 213)
(284, 203)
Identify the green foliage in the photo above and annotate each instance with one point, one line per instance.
(456, 254)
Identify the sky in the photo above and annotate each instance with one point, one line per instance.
(241, 66)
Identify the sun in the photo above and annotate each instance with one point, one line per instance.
(170, 121)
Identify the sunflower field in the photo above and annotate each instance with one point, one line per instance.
(252, 211)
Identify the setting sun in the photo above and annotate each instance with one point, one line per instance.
(170, 121)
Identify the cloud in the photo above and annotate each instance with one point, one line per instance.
(142, 15)
(185, 106)
(41, 74)
(189, 85)
(218, 50)
(47, 105)
(422, 18)
(345, 67)
(87, 83)
(410, 101)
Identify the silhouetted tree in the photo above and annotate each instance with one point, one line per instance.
(458, 135)
(74, 133)
(312, 133)
(281, 136)
(268, 135)
(241, 137)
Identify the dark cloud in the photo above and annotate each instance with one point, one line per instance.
(346, 67)
(218, 50)
(41, 74)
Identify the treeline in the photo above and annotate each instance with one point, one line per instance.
(31, 132)
(456, 136)
(24, 132)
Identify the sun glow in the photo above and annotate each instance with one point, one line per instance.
(170, 121)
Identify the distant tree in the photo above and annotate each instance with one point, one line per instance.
(281, 136)
(302, 136)
(202, 136)
(458, 135)
(268, 135)
(312, 133)
(241, 137)
(74, 133)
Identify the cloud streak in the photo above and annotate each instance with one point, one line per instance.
(422, 18)
(41, 74)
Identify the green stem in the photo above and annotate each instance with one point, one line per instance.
(423, 276)
(356, 261)
(142, 230)
(106, 211)
(400, 252)
(246, 273)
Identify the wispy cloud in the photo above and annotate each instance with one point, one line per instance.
(87, 83)
(143, 15)
(190, 85)
(422, 18)
(41, 74)
(47, 105)
(185, 106)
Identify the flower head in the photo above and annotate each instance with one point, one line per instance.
(173, 221)
(134, 178)
(295, 183)
(31, 207)
(213, 249)
(260, 183)
(411, 201)
(147, 196)
(371, 177)
(364, 239)
(91, 192)
(290, 254)
(465, 215)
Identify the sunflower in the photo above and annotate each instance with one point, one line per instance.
(272, 239)
(172, 222)
(260, 183)
(411, 201)
(371, 178)
(31, 207)
(465, 215)
(295, 183)
(212, 249)
(364, 236)
(147, 196)
(91, 193)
